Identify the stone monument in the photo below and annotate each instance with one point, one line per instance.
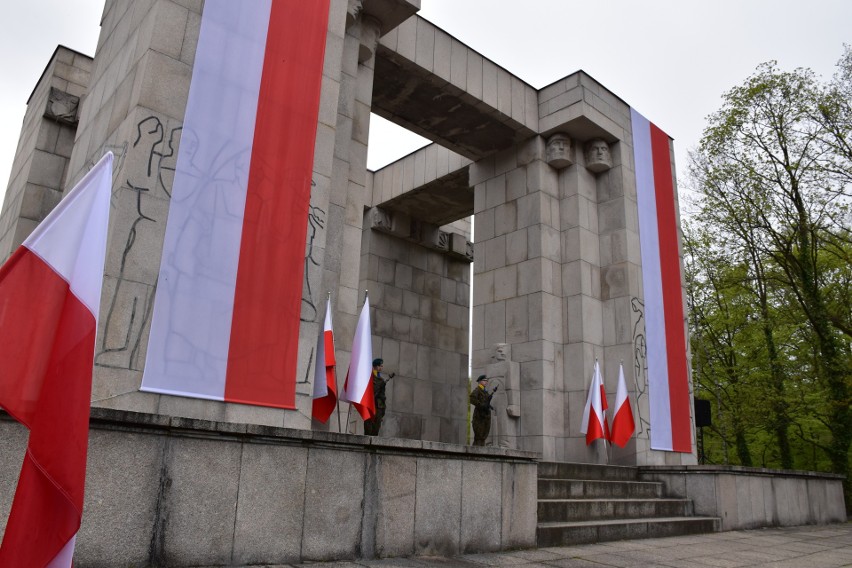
(504, 373)
(549, 175)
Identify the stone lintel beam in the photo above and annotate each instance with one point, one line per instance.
(436, 86)
(425, 234)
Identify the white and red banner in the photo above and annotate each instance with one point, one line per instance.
(668, 381)
(50, 295)
(623, 424)
(325, 378)
(358, 387)
(226, 316)
(594, 417)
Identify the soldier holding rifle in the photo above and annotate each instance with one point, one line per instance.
(480, 398)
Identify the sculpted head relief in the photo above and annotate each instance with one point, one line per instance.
(501, 352)
(598, 156)
(560, 151)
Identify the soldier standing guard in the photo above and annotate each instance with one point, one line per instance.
(480, 398)
(373, 425)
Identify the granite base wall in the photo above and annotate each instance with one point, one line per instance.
(174, 492)
(749, 498)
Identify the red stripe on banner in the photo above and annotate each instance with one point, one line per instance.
(267, 302)
(672, 294)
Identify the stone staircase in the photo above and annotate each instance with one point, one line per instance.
(584, 503)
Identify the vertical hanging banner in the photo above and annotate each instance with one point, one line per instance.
(225, 324)
(668, 380)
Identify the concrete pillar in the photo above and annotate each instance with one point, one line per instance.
(517, 295)
(38, 173)
(135, 107)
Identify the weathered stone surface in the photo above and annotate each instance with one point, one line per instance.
(121, 498)
(396, 482)
(519, 494)
(481, 506)
(198, 507)
(332, 512)
(438, 507)
(268, 527)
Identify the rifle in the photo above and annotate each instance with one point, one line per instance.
(490, 396)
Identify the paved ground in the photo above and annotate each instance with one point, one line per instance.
(795, 547)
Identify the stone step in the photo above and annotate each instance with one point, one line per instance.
(561, 470)
(570, 533)
(587, 489)
(555, 510)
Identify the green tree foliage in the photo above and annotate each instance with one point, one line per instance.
(769, 267)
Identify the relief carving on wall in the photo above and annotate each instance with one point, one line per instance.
(62, 107)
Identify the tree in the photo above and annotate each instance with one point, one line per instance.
(773, 174)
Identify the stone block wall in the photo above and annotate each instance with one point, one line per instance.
(749, 498)
(419, 300)
(177, 492)
(40, 168)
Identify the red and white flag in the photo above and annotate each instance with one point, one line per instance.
(594, 420)
(604, 407)
(358, 388)
(325, 383)
(665, 335)
(50, 294)
(226, 317)
(623, 424)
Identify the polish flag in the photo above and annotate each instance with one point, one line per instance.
(604, 408)
(594, 420)
(227, 313)
(665, 335)
(623, 425)
(358, 388)
(325, 383)
(50, 293)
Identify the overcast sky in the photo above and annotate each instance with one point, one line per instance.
(669, 59)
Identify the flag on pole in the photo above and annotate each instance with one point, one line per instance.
(623, 424)
(594, 419)
(358, 388)
(325, 383)
(604, 408)
(50, 293)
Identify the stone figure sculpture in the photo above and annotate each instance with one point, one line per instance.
(505, 373)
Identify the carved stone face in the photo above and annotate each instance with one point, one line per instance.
(598, 157)
(560, 151)
(501, 351)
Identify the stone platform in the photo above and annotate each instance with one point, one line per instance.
(169, 491)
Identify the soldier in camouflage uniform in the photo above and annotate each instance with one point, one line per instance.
(480, 398)
(373, 425)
